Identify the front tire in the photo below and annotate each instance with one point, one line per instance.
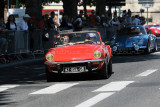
(155, 47)
(104, 71)
(110, 67)
(148, 49)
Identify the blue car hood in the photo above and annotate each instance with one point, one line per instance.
(127, 41)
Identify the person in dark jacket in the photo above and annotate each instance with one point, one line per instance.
(11, 24)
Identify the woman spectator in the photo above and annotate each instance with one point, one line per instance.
(11, 25)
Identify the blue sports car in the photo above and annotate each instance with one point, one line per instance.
(133, 39)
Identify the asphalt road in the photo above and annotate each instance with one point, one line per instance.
(134, 83)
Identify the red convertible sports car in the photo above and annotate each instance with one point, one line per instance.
(76, 52)
(154, 28)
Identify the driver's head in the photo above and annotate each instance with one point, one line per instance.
(65, 39)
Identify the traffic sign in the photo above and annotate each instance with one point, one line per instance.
(147, 6)
(145, 1)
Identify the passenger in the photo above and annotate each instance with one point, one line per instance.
(11, 24)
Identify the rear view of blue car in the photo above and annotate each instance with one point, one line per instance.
(133, 39)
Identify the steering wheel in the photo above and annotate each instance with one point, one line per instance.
(89, 42)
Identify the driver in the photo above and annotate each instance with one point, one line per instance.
(64, 39)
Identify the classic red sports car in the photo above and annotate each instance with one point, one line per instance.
(77, 52)
(154, 28)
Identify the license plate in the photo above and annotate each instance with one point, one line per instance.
(74, 69)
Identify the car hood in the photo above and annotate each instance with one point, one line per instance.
(126, 41)
(75, 52)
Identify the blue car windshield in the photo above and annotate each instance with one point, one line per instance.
(131, 31)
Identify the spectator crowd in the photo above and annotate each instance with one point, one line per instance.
(51, 22)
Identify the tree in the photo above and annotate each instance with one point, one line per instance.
(100, 7)
(34, 8)
(2, 5)
(70, 7)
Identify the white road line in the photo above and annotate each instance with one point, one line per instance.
(95, 100)
(146, 73)
(55, 88)
(6, 87)
(156, 53)
(114, 86)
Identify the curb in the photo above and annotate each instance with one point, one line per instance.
(21, 62)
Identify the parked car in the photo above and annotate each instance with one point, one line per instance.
(133, 39)
(76, 52)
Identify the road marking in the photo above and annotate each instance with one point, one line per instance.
(95, 100)
(146, 73)
(54, 88)
(156, 53)
(6, 87)
(114, 86)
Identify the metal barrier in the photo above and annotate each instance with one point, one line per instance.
(39, 44)
(19, 42)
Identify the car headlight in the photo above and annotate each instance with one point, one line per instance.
(156, 31)
(49, 57)
(134, 43)
(97, 54)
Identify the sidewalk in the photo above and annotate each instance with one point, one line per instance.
(21, 62)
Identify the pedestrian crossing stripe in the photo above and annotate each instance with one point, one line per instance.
(55, 88)
(6, 87)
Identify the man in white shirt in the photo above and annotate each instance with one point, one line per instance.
(137, 21)
(23, 24)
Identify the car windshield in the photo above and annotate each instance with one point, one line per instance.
(152, 26)
(131, 31)
(77, 38)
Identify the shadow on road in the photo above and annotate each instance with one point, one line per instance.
(125, 58)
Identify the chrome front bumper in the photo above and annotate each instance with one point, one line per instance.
(70, 62)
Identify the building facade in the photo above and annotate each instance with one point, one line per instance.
(153, 11)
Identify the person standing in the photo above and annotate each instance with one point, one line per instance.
(24, 23)
(53, 21)
(11, 24)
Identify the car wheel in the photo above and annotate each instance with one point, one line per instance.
(148, 49)
(104, 71)
(155, 47)
(110, 67)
